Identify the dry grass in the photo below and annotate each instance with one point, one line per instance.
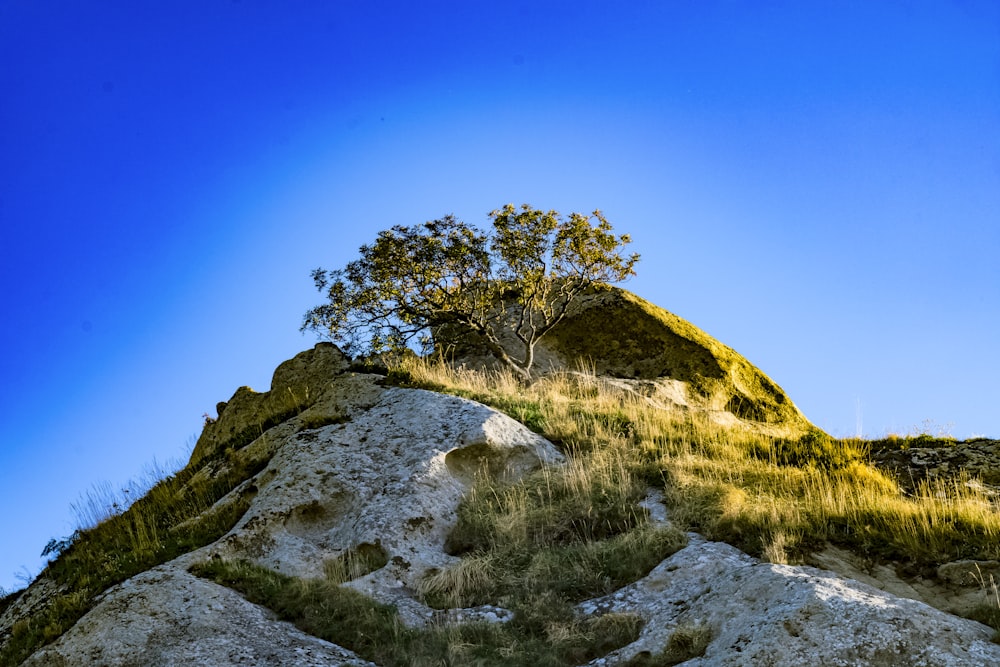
(177, 514)
(770, 496)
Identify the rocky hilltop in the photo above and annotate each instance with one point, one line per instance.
(615, 333)
(345, 477)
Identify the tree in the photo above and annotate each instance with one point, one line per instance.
(418, 283)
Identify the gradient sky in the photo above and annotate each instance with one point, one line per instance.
(815, 184)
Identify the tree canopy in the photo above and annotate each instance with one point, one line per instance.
(512, 283)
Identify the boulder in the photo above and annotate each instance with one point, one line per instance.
(167, 617)
(296, 384)
(389, 479)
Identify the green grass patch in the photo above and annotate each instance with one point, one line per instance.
(551, 506)
(560, 575)
(355, 562)
(555, 538)
(814, 448)
(687, 642)
(374, 631)
(310, 422)
(898, 443)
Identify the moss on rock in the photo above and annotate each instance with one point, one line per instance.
(295, 385)
(618, 334)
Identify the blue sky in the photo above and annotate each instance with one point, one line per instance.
(815, 184)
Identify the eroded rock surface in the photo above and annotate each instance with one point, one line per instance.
(960, 587)
(975, 462)
(758, 614)
(384, 468)
(167, 617)
(390, 477)
(296, 383)
(359, 467)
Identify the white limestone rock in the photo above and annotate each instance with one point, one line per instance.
(759, 614)
(387, 472)
(167, 617)
(391, 477)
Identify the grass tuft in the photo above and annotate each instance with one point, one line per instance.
(687, 642)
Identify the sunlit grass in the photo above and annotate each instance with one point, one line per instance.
(778, 498)
(734, 484)
(177, 514)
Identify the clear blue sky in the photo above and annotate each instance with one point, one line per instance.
(815, 184)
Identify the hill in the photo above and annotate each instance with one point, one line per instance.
(661, 506)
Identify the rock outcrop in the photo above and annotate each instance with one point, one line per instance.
(925, 459)
(618, 334)
(296, 383)
(168, 617)
(383, 469)
(713, 605)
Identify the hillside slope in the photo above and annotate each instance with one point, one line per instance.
(342, 519)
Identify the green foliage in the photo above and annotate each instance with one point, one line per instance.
(815, 448)
(526, 411)
(900, 443)
(450, 278)
(374, 631)
(686, 643)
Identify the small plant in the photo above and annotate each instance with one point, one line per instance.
(355, 562)
(54, 547)
(687, 642)
(776, 551)
(988, 612)
(314, 421)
